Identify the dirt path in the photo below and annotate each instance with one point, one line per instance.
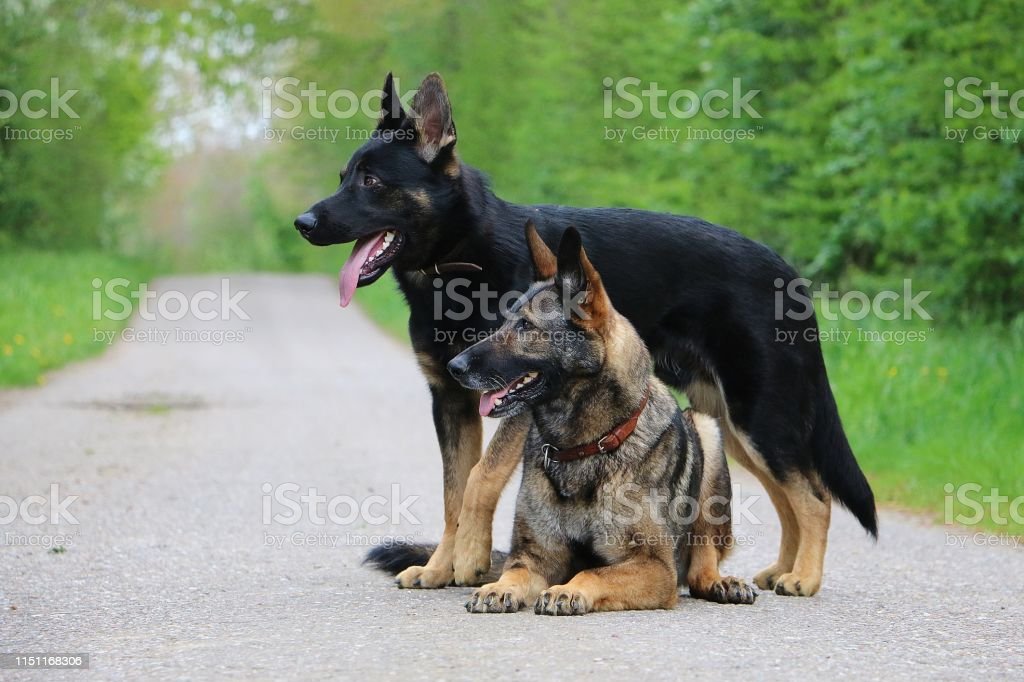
(170, 570)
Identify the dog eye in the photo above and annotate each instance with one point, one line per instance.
(524, 325)
(370, 180)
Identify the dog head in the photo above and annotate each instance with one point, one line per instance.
(394, 190)
(553, 337)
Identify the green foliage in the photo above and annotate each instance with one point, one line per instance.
(75, 180)
(939, 410)
(847, 173)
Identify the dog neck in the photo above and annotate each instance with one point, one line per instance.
(590, 408)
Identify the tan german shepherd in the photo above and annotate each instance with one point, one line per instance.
(624, 497)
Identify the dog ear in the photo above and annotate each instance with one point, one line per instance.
(435, 129)
(392, 116)
(544, 262)
(580, 282)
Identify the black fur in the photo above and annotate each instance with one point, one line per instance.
(395, 557)
(701, 296)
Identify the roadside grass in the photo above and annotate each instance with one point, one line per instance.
(932, 415)
(922, 415)
(384, 303)
(46, 309)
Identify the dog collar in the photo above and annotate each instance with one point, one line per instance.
(609, 442)
(444, 268)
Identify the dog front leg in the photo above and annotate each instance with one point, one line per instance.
(641, 582)
(483, 490)
(460, 434)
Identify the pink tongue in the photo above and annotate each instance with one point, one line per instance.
(348, 278)
(487, 400)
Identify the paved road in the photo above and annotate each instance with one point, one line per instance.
(171, 572)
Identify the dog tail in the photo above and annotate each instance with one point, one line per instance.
(395, 557)
(837, 465)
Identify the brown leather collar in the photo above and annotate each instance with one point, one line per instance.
(443, 268)
(609, 442)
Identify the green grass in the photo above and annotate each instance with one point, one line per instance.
(46, 309)
(945, 409)
(384, 303)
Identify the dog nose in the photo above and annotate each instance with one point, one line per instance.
(305, 223)
(459, 366)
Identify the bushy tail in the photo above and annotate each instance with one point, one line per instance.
(395, 557)
(838, 466)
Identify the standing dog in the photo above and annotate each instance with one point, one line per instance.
(724, 318)
(624, 497)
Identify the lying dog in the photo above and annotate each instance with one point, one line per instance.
(624, 497)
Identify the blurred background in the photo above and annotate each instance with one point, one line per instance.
(855, 169)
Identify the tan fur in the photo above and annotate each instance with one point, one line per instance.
(483, 490)
(602, 507)
(644, 582)
(544, 261)
(439, 570)
(421, 199)
(803, 506)
(431, 370)
(596, 304)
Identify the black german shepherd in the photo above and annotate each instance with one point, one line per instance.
(710, 304)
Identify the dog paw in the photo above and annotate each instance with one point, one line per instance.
(472, 562)
(767, 578)
(793, 585)
(423, 577)
(728, 590)
(496, 598)
(562, 600)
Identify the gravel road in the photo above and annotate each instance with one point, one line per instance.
(173, 565)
